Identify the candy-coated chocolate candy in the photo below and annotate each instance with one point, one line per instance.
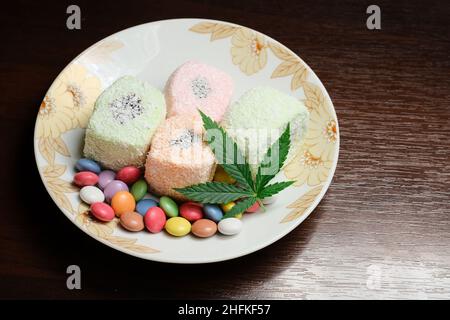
(122, 202)
(221, 176)
(139, 189)
(269, 200)
(143, 205)
(85, 178)
(230, 226)
(128, 174)
(178, 226)
(204, 228)
(132, 221)
(155, 219)
(91, 194)
(150, 196)
(169, 206)
(102, 211)
(228, 206)
(195, 204)
(212, 212)
(113, 187)
(105, 177)
(253, 208)
(85, 164)
(191, 211)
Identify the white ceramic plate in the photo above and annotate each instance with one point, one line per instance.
(151, 52)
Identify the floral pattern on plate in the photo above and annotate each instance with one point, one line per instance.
(313, 162)
(68, 104)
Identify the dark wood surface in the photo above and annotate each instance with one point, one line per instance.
(382, 230)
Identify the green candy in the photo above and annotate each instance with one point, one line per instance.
(139, 189)
(169, 206)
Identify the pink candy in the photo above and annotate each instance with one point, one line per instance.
(128, 174)
(253, 208)
(191, 211)
(155, 219)
(102, 211)
(85, 178)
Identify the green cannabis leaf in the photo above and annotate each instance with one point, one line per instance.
(235, 164)
(276, 155)
(274, 188)
(214, 192)
(240, 207)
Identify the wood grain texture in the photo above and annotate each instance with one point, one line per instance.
(387, 211)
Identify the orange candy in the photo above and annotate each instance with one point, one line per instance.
(122, 202)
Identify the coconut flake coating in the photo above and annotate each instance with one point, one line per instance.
(122, 124)
(196, 85)
(265, 110)
(178, 157)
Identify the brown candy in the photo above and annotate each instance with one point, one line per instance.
(132, 221)
(204, 228)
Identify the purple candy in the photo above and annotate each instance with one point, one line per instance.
(105, 177)
(113, 187)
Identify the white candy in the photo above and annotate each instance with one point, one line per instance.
(91, 194)
(269, 200)
(230, 226)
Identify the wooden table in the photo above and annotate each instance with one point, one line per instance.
(382, 230)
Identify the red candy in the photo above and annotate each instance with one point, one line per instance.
(128, 174)
(195, 204)
(253, 208)
(85, 178)
(191, 211)
(102, 211)
(155, 219)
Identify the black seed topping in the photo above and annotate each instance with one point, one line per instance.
(126, 108)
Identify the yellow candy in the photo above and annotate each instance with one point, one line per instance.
(178, 226)
(222, 176)
(228, 206)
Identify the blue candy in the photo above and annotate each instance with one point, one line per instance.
(143, 205)
(212, 212)
(88, 165)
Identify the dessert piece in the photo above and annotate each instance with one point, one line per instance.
(258, 119)
(195, 86)
(123, 122)
(178, 157)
